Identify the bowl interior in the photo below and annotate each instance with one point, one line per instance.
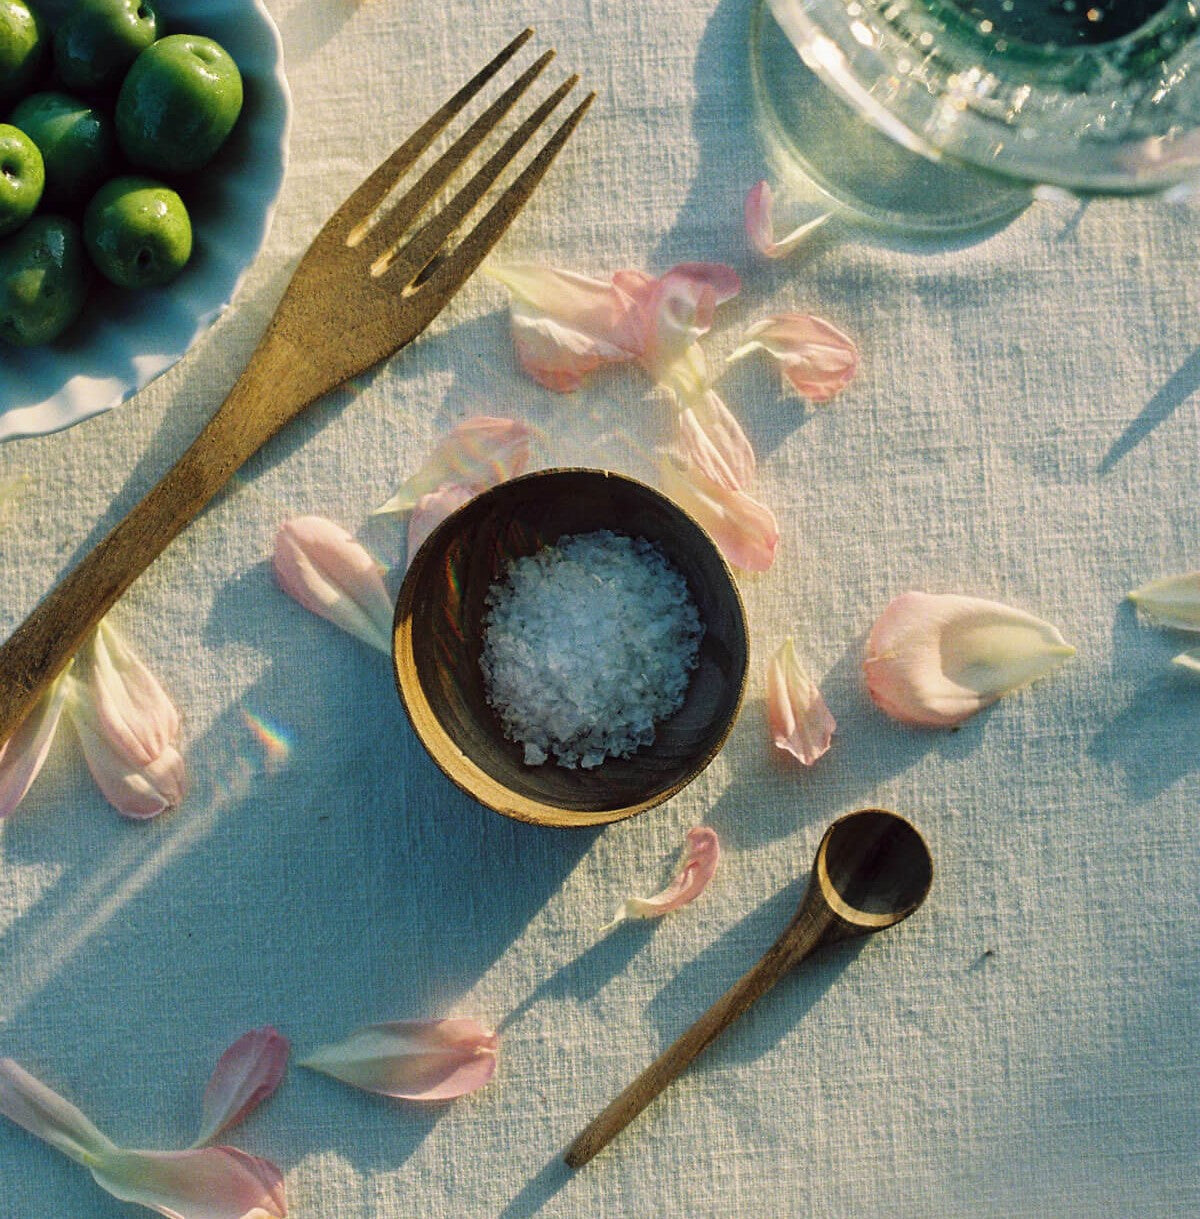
(126, 339)
(438, 640)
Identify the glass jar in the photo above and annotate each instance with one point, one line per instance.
(937, 115)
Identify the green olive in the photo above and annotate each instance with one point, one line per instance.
(137, 232)
(22, 48)
(22, 176)
(75, 141)
(178, 103)
(43, 281)
(95, 46)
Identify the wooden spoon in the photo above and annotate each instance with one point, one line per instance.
(872, 869)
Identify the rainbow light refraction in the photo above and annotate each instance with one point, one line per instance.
(275, 742)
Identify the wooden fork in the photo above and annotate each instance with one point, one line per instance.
(368, 284)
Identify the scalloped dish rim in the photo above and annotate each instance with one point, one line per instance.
(81, 398)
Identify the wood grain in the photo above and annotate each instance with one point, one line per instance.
(872, 869)
(439, 637)
(355, 298)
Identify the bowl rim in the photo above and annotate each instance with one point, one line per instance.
(462, 770)
(60, 411)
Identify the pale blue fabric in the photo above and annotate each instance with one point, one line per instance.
(1024, 428)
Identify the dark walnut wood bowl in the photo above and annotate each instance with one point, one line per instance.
(438, 639)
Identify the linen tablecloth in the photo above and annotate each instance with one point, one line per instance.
(1024, 428)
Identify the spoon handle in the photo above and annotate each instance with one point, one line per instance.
(800, 937)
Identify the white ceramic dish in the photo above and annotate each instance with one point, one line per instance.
(125, 340)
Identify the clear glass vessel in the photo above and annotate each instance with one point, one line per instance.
(937, 115)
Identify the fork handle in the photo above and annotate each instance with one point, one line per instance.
(263, 399)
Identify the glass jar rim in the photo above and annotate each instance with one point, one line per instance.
(1088, 119)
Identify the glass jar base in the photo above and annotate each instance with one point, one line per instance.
(815, 139)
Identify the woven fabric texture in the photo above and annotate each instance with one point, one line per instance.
(1025, 427)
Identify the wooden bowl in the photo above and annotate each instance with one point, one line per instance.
(438, 639)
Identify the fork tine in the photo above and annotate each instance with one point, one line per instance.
(409, 260)
(474, 247)
(392, 224)
(375, 188)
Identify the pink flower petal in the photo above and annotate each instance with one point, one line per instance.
(133, 790)
(816, 358)
(676, 310)
(799, 720)
(713, 441)
(760, 224)
(215, 1183)
(246, 1075)
(692, 278)
(329, 573)
(567, 325)
(206, 1183)
(413, 1059)
(137, 718)
(22, 755)
(745, 531)
(40, 1110)
(431, 510)
(699, 867)
(478, 453)
(933, 660)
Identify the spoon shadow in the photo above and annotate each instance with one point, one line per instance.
(770, 1020)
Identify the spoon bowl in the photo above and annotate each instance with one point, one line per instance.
(871, 870)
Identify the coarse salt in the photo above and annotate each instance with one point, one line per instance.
(588, 644)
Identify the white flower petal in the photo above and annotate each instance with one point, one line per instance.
(760, 224)
(134, 790)
(132, 708)
(431, 510)
(201, 1183)
(816, 358)
(40, 1110)
(208, 1183)
(566, 325)
(1189, 661)
(477, 453)
(1173, 601)
(676, 310)
(744, 530)
(933, 660)
(710, 438)
(413, 1059)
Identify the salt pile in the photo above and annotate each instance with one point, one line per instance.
(586, 645)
